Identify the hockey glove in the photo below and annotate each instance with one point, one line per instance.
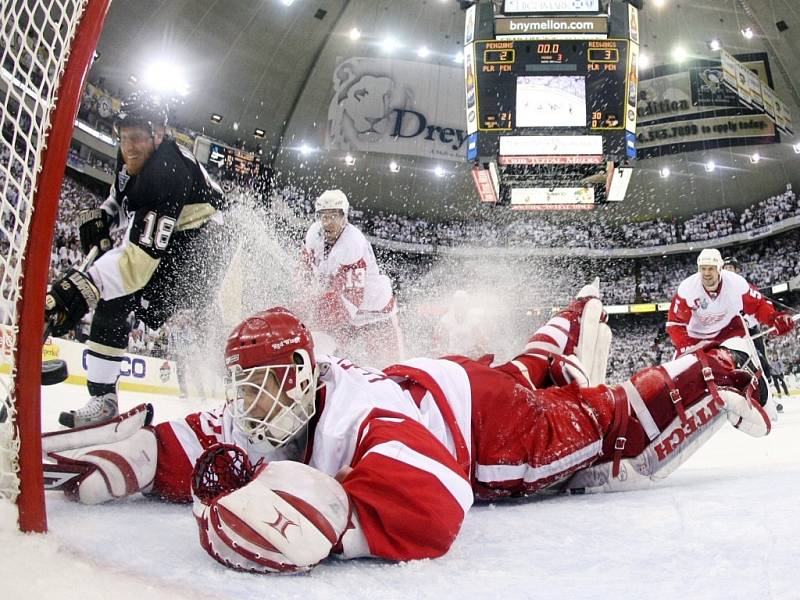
(68, 300)
(94, 231)
(221, 469)
(783, 323)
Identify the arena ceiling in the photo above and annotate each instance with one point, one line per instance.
(264, 65)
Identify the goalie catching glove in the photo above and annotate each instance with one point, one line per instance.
(68, 300)
(93, 227)
(285, 517)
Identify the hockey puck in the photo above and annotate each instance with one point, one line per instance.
(54, 371)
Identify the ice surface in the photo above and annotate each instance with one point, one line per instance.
(725, 525)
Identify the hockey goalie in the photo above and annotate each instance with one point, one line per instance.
(314, 456)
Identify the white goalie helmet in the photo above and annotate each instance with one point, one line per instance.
(710, 257)
(332, 200)
(272, 376)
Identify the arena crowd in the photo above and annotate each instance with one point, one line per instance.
(624, 281)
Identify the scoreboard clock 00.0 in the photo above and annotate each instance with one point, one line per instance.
(580, 84)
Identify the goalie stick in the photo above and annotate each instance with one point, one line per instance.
(54, 371)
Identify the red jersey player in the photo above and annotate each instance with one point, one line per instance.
(356, 304)
(386, 463)
(707, 306)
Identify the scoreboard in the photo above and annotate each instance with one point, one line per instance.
(233, 162)
(553, 87)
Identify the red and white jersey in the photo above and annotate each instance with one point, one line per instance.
(348, 269)
(697, 314)
(352, 393)
(414, 444)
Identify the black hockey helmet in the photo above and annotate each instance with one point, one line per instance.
(142, 108)
(732, 261)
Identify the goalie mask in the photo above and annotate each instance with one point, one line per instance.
(272, 376)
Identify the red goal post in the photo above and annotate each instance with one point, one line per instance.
(47, 47)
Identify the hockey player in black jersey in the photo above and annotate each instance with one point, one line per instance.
(171, 256)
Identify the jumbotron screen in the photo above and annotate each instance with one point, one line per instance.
(235, 162)
(569, 87)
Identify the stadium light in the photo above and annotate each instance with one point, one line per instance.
(354, 34)
(755, 157)
(796, 148)
(664, 172)
(458, 57)
(349, 160)
(216, 118)
(679, 54)
(747, 32)
(423, 52)
(394, 167)
(439, 171)
(659, 3)
(305, 149)
(390, 44)
(710, 166)
(236, 125)
(714, 44)
(644, 60)
(163, 76)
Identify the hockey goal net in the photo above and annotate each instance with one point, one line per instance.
(46, 48)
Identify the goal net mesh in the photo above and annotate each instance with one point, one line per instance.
(35, 37)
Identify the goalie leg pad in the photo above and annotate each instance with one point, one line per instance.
(594, 342)
(108, 432)
(287, 519)
(111, 471)
(670, 449)
(678, 407)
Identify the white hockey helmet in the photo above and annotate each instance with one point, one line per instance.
(332, 200)
(710, 257)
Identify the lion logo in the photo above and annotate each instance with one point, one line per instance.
(361, 110)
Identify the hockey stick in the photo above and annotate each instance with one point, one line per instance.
(795, 318)
(56, 371)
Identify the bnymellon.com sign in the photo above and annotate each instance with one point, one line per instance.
(578, 27)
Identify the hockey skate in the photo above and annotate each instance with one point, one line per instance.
(98, 410)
